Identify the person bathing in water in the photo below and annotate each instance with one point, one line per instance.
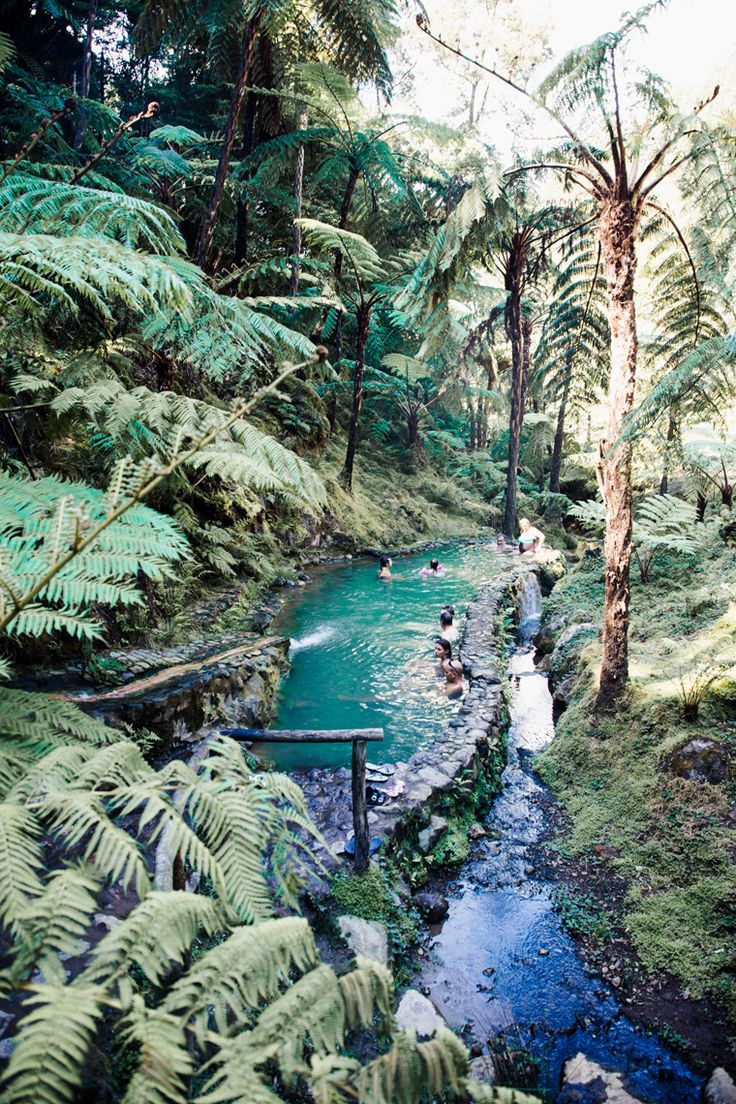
(435, 568)
(530, 539)
(451, 668)
(448, 630)
(384, 570)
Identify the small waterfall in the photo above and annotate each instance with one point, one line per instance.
(530, 609)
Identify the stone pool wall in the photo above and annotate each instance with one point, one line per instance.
(177, 692)
(443, 774)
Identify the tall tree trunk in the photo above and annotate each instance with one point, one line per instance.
(241, 209)
(671, 434)
(556, 462)
(617, 228)
(296, 232)
(520, 332)
(86, 73)
(364, 325)
(207, 229)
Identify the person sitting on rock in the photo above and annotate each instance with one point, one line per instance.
(384, 570)
(530, 539)
(448, 629)
(452, 669)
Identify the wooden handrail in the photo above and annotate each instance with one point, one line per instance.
(304, 735)
(358, 737)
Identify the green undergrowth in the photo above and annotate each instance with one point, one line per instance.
(673, 839)
(581, 915)
(371, 896)
(464, 805)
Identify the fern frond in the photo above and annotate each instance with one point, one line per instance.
(156, 936)
(21, 862)
(33, 205)
(47, 1061)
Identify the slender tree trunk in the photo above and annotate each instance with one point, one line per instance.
(671, 434)
(617, 228)
(364, 325)
(86, 73)
(296, 233)
(520, 331)
(347, 200)
(209, 222)
(556, 462)
(700, 505)
(241, 209)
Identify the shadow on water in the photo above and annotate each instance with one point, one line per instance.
(502, 964)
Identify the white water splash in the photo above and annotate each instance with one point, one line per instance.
(313, 639)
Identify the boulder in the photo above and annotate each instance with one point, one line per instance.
(566, 656)
(476, 831)
(483, 1070)
(366, 938)
(720, 1088)
(416, 1013)
(430, 835)
(585, 1082)
(433, 905)
(700, 761)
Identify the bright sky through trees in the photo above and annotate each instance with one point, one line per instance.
(691, 43)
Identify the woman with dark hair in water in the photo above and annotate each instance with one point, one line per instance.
(384, 570)
(448, 630)
(451, 668)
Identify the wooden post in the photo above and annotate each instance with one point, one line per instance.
(360, 809)
(358, 737)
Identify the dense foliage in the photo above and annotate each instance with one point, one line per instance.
(233, 289)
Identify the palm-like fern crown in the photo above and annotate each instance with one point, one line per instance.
(353, 38)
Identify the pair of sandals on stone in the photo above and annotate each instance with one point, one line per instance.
(375, 796)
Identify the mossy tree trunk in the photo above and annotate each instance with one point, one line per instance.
(520, 335)
(617, 230)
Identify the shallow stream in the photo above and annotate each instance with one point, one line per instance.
(502, 963)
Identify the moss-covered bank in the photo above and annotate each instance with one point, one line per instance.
(627, 779)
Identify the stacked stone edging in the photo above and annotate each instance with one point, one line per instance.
(464, 749)
(237, 689)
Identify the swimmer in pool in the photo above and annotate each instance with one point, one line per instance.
(451, 668)
(448, 630)
(435, 568)
(384, 571)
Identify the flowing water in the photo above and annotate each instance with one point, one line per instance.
(362, 657)
(502, 960)
(362, 652)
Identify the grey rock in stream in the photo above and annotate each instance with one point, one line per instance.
(720, 1088)
(585, 1082)
(434, 906)
(416, 1013)
(431, 835)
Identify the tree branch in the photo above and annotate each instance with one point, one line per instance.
(581, 146)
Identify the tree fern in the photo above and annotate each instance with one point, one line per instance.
(34, 205)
